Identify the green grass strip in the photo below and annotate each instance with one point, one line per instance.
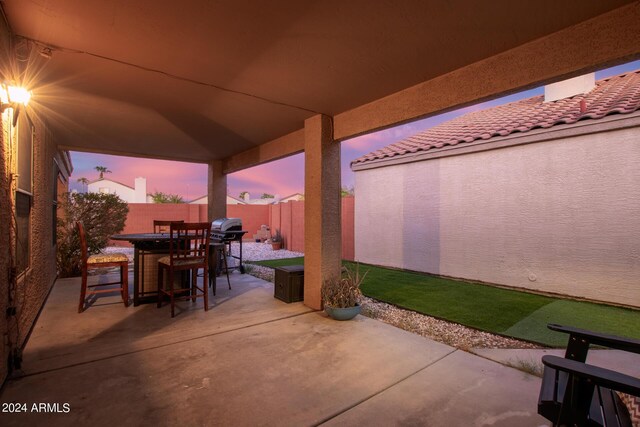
(483, 307)
(507, 312)
(273, 263)
(580, 314)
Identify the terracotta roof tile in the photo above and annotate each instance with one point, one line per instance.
(614, 95)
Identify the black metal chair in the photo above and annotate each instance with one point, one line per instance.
(574, 393)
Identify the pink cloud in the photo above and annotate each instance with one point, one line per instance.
(283, 177)
(186, 179)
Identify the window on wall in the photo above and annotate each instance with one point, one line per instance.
(57, 182)
(23, 246)
(24, 195)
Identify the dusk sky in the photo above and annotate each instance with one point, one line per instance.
(283, 177)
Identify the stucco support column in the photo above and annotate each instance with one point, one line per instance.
(217, 191)
(322, 219)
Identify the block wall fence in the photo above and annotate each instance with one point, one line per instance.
(287, 217)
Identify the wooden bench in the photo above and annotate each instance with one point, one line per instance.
(574, 393)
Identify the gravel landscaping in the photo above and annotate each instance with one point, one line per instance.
(447, 332)
(252, 251)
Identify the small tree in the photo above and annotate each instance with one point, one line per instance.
(102, 170)
(267, 196)
(160, 197)
(346, 191)
(174, 198)
(243, 194)
(102, 215)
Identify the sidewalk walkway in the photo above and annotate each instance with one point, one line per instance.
(616, 360)
(252, 360)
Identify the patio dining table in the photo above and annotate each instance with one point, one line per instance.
(148, 249)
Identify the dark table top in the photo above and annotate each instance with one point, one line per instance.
(148, 237)
(142, 237)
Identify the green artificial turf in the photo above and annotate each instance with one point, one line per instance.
(507, 312)
(580, 314)
(280, 262)
(483, 307)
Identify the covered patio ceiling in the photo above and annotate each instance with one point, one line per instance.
(202, 80)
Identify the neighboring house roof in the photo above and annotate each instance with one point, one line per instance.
(110, 180)
(240, 201)
(198, 199)
(266, 201)
(292, 196)
(613, 95)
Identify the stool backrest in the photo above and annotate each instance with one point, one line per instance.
(189, 241)
(162, 226)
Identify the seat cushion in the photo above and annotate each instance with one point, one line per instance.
(102, 258)
(633, 406)
(181, 262)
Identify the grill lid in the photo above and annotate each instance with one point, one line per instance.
(226, 224)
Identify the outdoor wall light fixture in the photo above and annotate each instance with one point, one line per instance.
(13, 97)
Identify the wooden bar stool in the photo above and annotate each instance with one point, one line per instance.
(102, 261)
(162, 226)
(188, 251)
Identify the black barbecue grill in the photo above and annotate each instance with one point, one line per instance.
(228, 230)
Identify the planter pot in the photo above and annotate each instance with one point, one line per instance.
(276, 246)
(342, 313)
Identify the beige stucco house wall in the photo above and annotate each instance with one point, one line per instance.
(136, 194)
(551, 210)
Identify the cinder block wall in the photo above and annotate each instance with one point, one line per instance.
(288, 217)
(253, 216)
(141, 216)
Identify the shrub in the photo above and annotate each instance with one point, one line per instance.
(102, 215)
(344, 292)
(276, 237)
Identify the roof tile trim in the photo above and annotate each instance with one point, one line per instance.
(614, 95)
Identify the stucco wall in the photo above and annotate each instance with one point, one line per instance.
(557, 216)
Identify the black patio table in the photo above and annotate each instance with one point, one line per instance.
(148, 249)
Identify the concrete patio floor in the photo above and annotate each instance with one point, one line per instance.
(252, 360)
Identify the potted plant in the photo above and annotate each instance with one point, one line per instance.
(341, 296)
(276, 240)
